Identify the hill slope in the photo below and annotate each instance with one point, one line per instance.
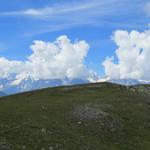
(100, 116)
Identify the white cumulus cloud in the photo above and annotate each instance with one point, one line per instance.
(9, 67)
(133, 56)
(50, 60)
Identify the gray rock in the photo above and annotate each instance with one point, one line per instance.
(5, 146)
(89, 112)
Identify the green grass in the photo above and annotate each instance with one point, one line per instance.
(100, 116)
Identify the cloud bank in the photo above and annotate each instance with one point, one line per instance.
(133, 56)
(50, 60)
(63, 58)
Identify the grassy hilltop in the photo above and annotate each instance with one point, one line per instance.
(101, 116)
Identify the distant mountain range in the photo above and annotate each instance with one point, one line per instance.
(2, 94)
(9, 85)
(125, 81)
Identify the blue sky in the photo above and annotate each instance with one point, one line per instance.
(22, 22)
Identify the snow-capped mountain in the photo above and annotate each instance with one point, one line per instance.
(2, 94)
(10, 86)
(124, 81)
